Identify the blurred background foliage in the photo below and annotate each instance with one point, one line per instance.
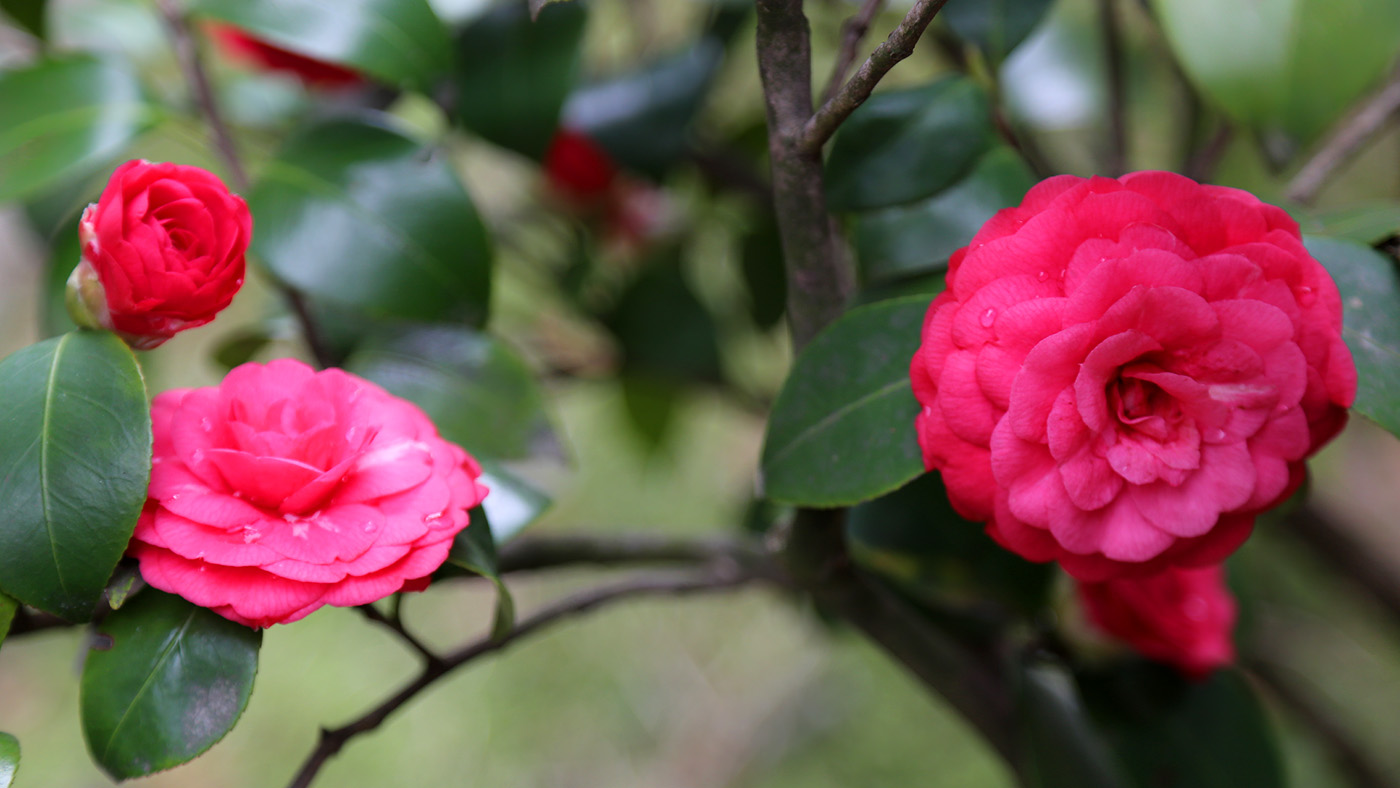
(648, 301)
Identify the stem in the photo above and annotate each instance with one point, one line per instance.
(1202, 163)
(332, 741)
(820, 274)
(852, 32)
(192, 66)
(897, 47)
(1359, 563)
(1346, 139)
(395, 624)
(1117, 88)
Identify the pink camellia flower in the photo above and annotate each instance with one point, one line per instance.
(284, 489)
(162, 252)
(1123, 373)
(239, 45)
(1183, 617)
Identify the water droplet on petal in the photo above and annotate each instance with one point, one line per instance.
(196, 456)
(432, 517)
(1043, 275)
(206, 425)
(1216, 434)
(1306, 296)
(369, 528)
(988, 318)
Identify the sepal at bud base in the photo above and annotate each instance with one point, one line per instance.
(86, 299)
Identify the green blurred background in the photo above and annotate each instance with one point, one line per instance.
(744, 689)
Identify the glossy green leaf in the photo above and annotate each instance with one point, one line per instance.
(917, 238)
(64, 118)
(1169, 732)
(357, 213)
(513, 74)
(174, 682)
(9, 759)
(914, 537)
(397, 41)
(512, 504)
(479, 392)
(1287, 68)
(642, 118)
(1370, 292)
(474, 551)
(8, 607)
(32, 15)
(904, 145)
(75, 459)
(842, 429)
(928, 285)
(64, 254)
(996, 26)
(1062, 748)
(1368, 223)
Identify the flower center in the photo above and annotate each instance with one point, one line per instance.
(1144, 407)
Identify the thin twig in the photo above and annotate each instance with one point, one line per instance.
(187, 51)
(852, 31)
(897, 47)
(533, 553)
(1346, 753)
(395, 624)
(28, 621)
(192, 66)
(332, 741)
(1346, 139)
(1202, 163)
(1117, 87)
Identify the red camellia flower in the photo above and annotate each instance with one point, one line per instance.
(162, 251)
(1183, 617)
(1123, 373)
(241, 46)
(284, 489)
(578, 168)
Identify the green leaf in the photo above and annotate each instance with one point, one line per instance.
(666, 333)
(8, 607)
(9, 759)
(397, 41)
(996, 26)
(75, 459)
(64, 118)
(1370, 323)
(761, 261)
(32, 16)
(1367, 223)
(512, 504)
(174, 682)
(512, 74)
(124, 585)
(842, 429)
(474, 550)
(642, 118)
(917, 238)
(1287, 68)
(904, 145)
(1170, 732)
(913, 536)
(357, 213)
(239, 347)
(1062, 748)
(480, 393)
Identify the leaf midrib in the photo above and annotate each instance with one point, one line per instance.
(170, 646)
(44, 458)
(811, 432)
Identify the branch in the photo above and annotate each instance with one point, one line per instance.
(546, 552)
(192, 66)
(1202, 163)
(852, 31)
(820, 274)
(395, 624)
(332, 741)
(1117, 88)
(28, 621)
(1347, 755)
(897, 47)
(1346, 139)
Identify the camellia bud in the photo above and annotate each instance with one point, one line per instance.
(162, 251)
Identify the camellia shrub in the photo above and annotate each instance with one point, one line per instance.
(1046, 307)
